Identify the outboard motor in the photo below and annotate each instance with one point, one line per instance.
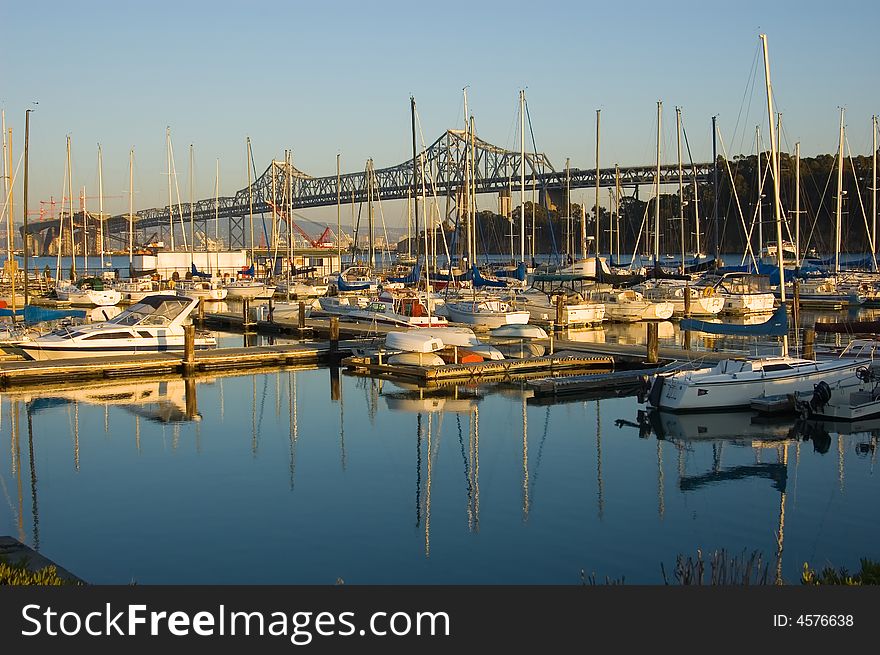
(821, 396)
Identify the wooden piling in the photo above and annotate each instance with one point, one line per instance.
(653, 354)
(189, 349)
(192, 406)
(560, 309)
(809, 343)
(302, 315)
(687, 300)
(335, 389)
(270, 316)
(246, 313)
(201, 314)
(551, 334)
(334, 338)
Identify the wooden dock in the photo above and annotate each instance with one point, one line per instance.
(22, 373)
(563, 362)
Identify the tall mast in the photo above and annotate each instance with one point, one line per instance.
(838, 211)
(596, 207)
(170, 207)
(9, 228)
(251, 197)
(776, 200)
(797, 203)
(472, 189)
(760, 206)
(10, 194)
(85, 215)
(571, 247)
(617, 195)
(70, 210)
(522, 177)
(131, 206)
(370, 192)
(24, 237)
(216, 208)
(192, 221)
(657, 203)
(101, 201)
(717, 236)
(680, 183)
(874, 189)
(415, 188)
(338, 213)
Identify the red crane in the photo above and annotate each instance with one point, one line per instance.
(320, 242)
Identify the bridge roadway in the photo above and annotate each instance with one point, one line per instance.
(495, 170)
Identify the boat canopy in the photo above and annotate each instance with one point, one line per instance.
(197, 273)
(411, 278)
(480, 281)
(776, 325)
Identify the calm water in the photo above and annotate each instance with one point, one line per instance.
(294, 477)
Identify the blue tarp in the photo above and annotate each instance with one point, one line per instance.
(342, 285)
(197, 273)
(518, 273)
(480, 281)
(412, 278)
(34, 314)
(776, 325)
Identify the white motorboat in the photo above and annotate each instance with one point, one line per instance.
(416, 359)
(342, 305)
(301, 289)
(485, 313)
(136, 289)
(212, 289)
(452, 336)
(87, 292)
(743, 293)
(629, 306)
(575, 311)
(155, 324)
(703, 301)
(402, 311)
(847, 399)
(249, 289)
(734, 383)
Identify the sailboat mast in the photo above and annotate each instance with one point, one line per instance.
(192, 221)
(472, 190)
(596, 207)
(715, 193)
(680, 183)
(370, 192)
(6, 167)
(338, 213)
(216, 208)
(522, 177)
(414, 189)
(85, 215)
(130, 206)
(251, 196)
(838, 211)
(777, 205)
(24, 236)
(70, 211)
(617, 191)
(760, 200)
(170, 207)
(874, 190)
(797, 204)
(657, 203)
(571, 247)
(101, 201)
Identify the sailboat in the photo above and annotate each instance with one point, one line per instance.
(735, 382)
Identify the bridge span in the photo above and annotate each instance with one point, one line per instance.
(444, 166)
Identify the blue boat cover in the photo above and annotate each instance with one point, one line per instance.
(342, 285)
(480, 281)
(518, 273)
(412, 278)
(197, 273)
(34, 314)
(776, 325)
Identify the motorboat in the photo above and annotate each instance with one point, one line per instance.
(485, 313)
(301, 288)
(153, 325)
(403, 311)
(733, 383)
(629, 306)
(249, 289)
(575, 310)
(138, 288)
(848, 399)
(90, 291)
(743, 293)
(209, 289)
(519, 331)
(412, 341)
(703, 301)
(342, 305)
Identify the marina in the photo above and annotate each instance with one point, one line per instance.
(470, 367)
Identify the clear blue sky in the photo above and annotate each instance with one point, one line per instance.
(323, 78)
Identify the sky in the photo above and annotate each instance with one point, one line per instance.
(336, 77)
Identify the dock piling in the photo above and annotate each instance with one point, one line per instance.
(302, 315)
(189, 349)
(248, 323)
(334, 338)
(201, 314)
(653, 354)
(269, 317)
(809, 342)
(687, 300)
(551, 335)
(560, 309)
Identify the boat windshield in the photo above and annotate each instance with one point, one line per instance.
(155, 310)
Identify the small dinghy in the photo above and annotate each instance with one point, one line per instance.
(416, 359)
(412, 342)
(520, 331)
(486, 351)
(522, 350)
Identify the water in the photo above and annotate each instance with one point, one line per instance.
(299, 477)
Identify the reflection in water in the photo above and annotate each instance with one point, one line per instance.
(352, 506)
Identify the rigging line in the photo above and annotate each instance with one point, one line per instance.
(750, 90)
(736, 195)
(831, 172)
(861, 204)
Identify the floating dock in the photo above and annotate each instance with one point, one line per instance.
(22, 373)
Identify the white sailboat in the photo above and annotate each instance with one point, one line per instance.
(629, 306)
(486, 313)
(735, 382)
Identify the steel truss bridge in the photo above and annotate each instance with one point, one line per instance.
(444, 167)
